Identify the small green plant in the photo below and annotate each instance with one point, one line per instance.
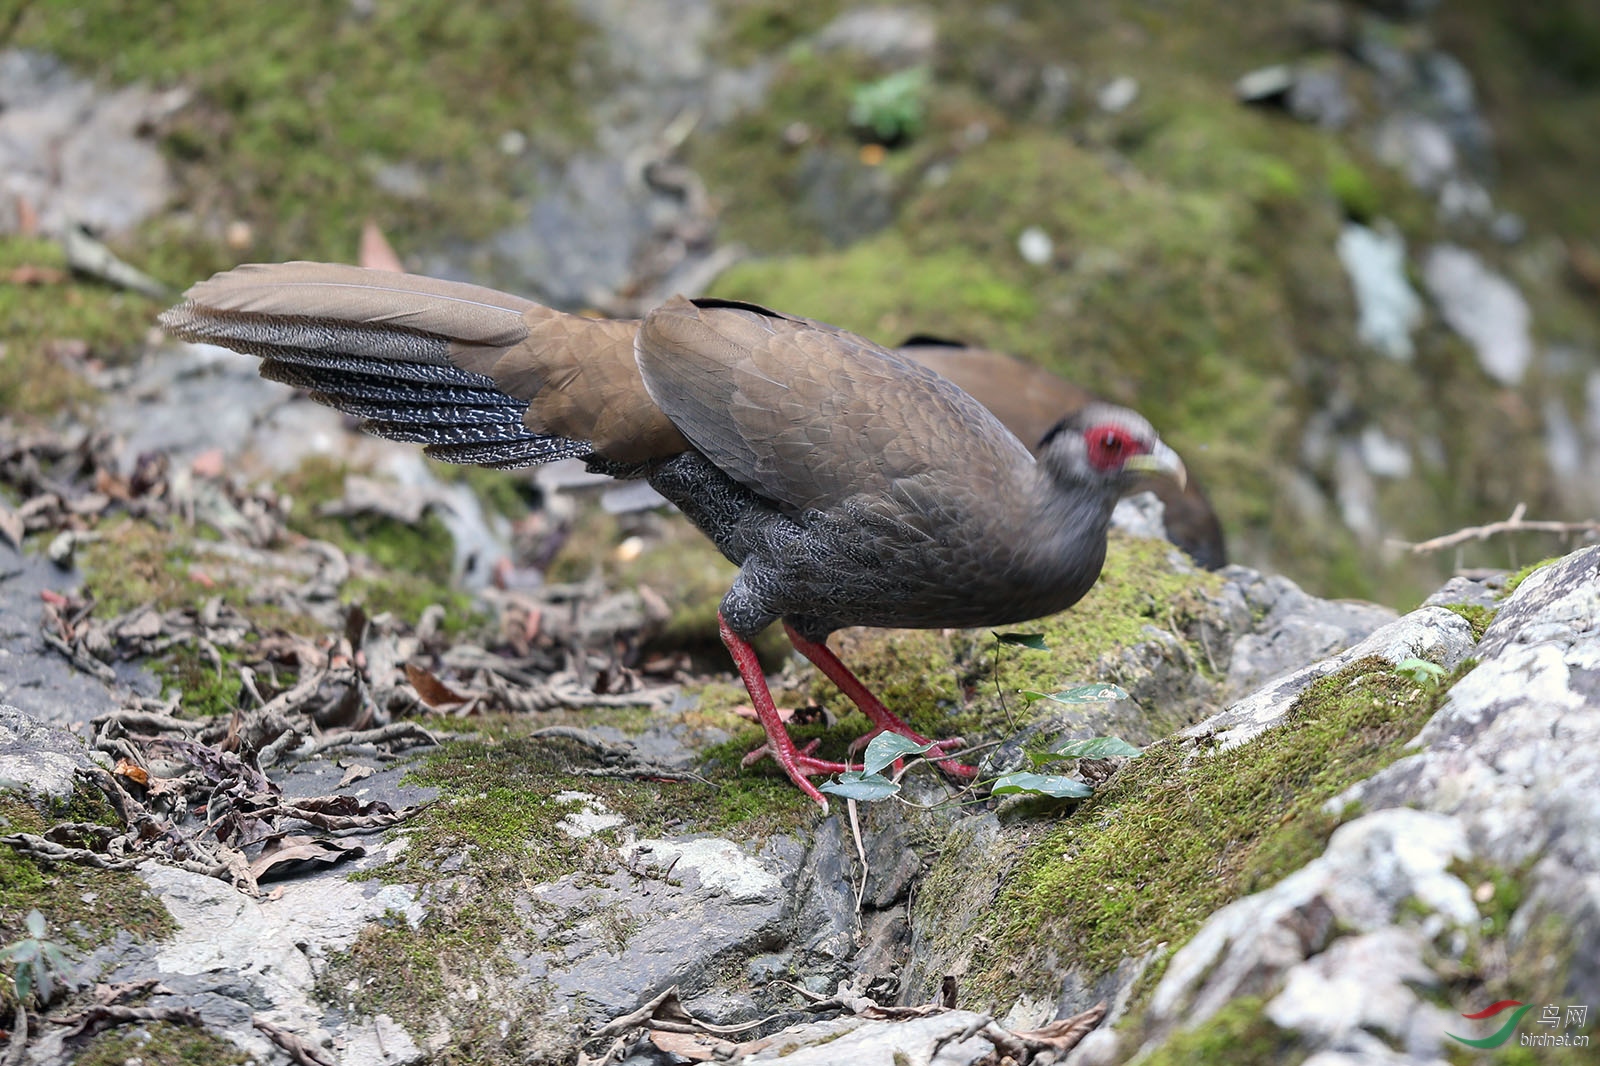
(35, 962)
(886, 749)
(1420, 672)
(891, 109)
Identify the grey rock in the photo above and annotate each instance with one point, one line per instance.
(1508, 227)
(75, 154)
(893, 35)
(1285, 937)
(1474, 593)
(1356, 493)
(1035, 246)
(1432, 633)
(1389, 308)
(38, 760)
(1484, 308)
(1318, 95)
(1383, 455)
(1295, 628)
(1348, 946)
(934, 1040)
(256, 422)
(580, 237)
(1418, 146)
(33, 677)
(234, 958)
(1311, 93)
(1447, 83)
(842, 197)
(718, 900)
(1117, 95)
(1264, 83)
(1140, 515)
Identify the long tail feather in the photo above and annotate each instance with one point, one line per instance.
(379, 348)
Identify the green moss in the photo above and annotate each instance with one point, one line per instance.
(84, 908)
(43, 322)
(208, 690)
(1357, 195)
(297, 111)
(762, 28)
(1515, 581)
(1536, 71)
(1239, 1034)
(1477, 616)
(134, 563)
(159, 1044)
(1175, 837)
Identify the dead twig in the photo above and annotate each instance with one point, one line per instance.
(37, 847)
(385, 734)
(1515, 524)
(105, 1016)
(87, 663)
(302, 1053)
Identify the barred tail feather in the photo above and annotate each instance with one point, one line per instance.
(398, 380)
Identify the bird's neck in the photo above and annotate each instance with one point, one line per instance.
(1066, 541)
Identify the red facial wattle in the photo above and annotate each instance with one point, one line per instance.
(1109, 447)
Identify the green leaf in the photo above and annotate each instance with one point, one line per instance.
(1104, 693)
(1420, 671)
(885, 748)
(1026, 640)
(853, 784)
(1041, 785)
(1094, 748)
(24, 982)
(35, 922)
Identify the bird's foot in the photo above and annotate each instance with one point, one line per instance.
(800, 765)
(883, 719)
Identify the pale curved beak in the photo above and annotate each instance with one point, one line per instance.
(1160, 460)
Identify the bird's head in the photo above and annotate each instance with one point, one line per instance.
(1106, 446)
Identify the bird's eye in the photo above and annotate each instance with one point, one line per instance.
(1110, 447)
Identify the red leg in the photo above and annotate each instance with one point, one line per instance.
(797, 764)
(870, 705)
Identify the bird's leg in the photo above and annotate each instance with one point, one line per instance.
(882, 718)
(797, 764)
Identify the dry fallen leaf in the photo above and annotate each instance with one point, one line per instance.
(744, 710)
(208, 464)
(288, 852)
(29, 274)
(355, 772)
(133, 772)
(433, 692)
(376, 251)
(696, 1047)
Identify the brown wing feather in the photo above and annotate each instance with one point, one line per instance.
(811, 416)
(577, 375)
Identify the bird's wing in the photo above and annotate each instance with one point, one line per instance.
(1029, 399)
(811, 416)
